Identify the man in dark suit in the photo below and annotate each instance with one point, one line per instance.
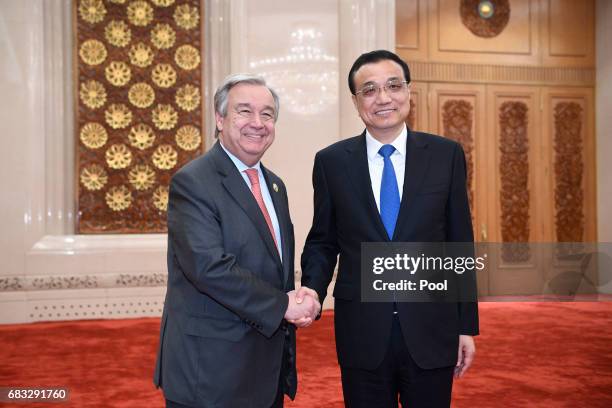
(389, 184)
(225, 340)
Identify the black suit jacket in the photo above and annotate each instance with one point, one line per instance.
(222, 333)
(434, 208)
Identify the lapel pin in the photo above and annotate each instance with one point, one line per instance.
(275, 187)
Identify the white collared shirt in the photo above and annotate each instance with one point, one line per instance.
(264, 192)
(376, 162)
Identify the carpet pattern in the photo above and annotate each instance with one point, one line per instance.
(529, 355)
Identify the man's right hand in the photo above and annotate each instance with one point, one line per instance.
(302, 310)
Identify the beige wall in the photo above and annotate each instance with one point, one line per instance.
(48, 272)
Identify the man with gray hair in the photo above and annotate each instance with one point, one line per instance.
(228, 327)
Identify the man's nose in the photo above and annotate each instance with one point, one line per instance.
(383, 96)
(256, 121)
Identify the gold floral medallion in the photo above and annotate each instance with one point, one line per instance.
(163, 36)
(93, 135)
(141, 136)
(187, 57)
(92, 52)
(93, 177)
(140, 13)
(141, 55)
(163, 75)
(188, 97)
(118, 73)
(118, 156)
(165, 157)
(92, 11)
(141, 95)
(117, 33)
(186, 17)
(188, 137)
(162, 3)
(142, 177)
(118, 198)
(93, 94)
(118, 116)
(164, 117)
(160, 198)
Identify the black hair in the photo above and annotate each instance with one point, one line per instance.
(376, 56)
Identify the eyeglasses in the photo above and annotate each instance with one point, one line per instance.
(250, 115)
(391, 87)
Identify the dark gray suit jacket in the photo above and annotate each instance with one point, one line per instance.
(222, 332)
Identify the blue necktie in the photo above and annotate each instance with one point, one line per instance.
(389, 193)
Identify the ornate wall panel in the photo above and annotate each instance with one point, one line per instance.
(514, 176)
(568, 168)
(411, 121)
(457, 120)
(139, 116)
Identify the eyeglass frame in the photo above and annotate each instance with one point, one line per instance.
(377, 88)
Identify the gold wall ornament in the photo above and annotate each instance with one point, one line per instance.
(141, 136)
(92, 11)
(163, 75)
(187, 57)
(118, 116)
(118, 198)
(188, 138)
(138, 112)
(93, 52)
(188, 97)
(164, 117)
(186, 17)
(118, 73)
(118, 156)
(93, 135)
(165, 157)
(163, 36)
(485, 18)
(140, 13)
(93, 177)
(160, 198)
(141, 95)
(117, 33)
(141, 55)
(142, 177)
(162, 3)
(93, 94)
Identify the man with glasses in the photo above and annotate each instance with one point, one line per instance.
(226, 338)
(389, 184)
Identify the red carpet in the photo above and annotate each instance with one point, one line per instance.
(529, 355)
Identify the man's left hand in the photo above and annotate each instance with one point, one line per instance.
(467, 351)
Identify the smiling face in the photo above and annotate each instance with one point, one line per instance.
(247, 130)
(384, 114)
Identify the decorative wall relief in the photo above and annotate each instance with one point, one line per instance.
(457, 122)
(569, 168)
(139, 117)
(485, 18)
(514, 176)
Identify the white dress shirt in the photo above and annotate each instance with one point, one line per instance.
(376, 162)
(264, 192)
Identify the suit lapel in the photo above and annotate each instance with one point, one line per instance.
(235, 185)
(282, 214)
(418, 159)
(359, 173)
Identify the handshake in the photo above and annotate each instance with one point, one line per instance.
(303, 307)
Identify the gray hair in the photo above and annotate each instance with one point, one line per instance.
(221, 95)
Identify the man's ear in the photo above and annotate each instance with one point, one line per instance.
(354, 98)
(219, 121)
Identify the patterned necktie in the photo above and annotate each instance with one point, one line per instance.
(389, 193)
(256, 190)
